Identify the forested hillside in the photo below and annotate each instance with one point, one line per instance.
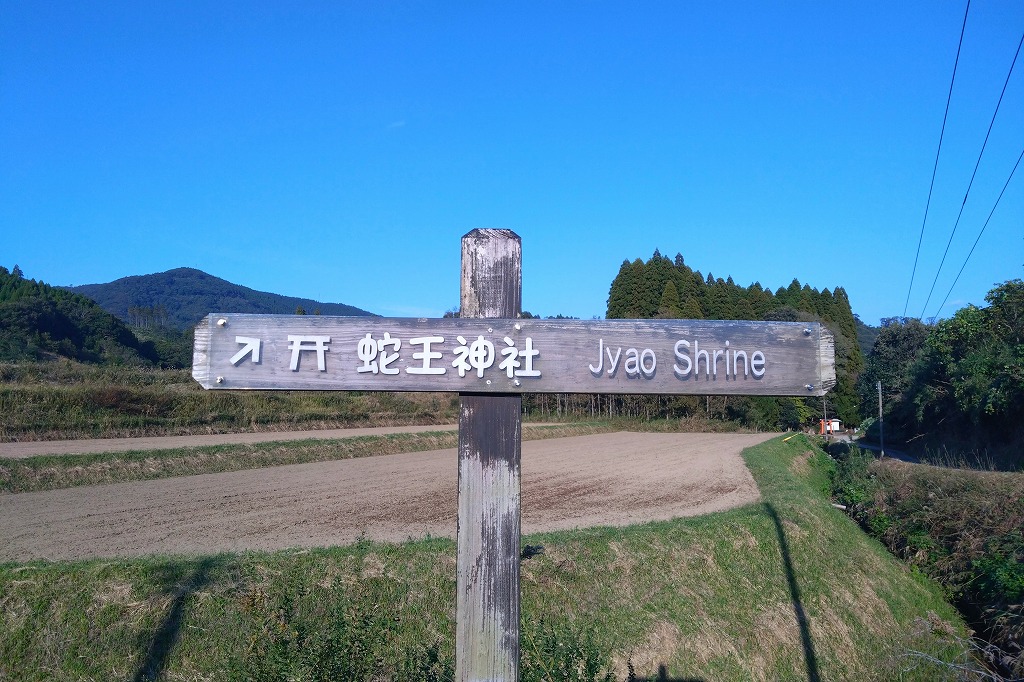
(181, 297)
(39, 322)
(663, 288)
(955, 387)
(866, 336)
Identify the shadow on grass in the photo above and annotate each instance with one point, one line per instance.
(662, 676)
(166, 636)
(810, 659)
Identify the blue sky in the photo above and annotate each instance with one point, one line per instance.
(339, 151)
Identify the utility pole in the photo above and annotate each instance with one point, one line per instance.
(881, 435)
(824, 422)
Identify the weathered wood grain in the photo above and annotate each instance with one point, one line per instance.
(490, 443)
(572, 356)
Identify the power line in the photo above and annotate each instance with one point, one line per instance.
(937, 152)
(980, 233)
(971, 183)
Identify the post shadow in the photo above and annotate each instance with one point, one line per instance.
(662, 676)
(810, 659)
(166, 636)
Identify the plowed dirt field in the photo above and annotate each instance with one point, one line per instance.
(608, 479)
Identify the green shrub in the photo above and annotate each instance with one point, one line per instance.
(1001, 570)
(852, 483)
(961, 527)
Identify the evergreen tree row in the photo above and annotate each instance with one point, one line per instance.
(670, 289)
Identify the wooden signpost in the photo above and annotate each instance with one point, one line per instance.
(491, 357)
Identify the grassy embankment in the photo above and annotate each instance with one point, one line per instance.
(786, 589)
(964, 528)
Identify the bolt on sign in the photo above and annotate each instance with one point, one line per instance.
(491, 357)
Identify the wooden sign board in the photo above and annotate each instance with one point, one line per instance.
(489, 358)
(703, 357)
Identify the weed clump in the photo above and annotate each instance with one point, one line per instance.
(961, 527)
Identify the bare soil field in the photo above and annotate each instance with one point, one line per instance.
(607, 479)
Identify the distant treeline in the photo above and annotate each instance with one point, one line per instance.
(670, 289)
(955, 388)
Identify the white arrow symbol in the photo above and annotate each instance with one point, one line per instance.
(251, 346)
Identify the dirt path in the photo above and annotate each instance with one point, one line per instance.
(607, 479)
(94, 445)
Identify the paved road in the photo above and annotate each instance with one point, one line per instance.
(889, 452)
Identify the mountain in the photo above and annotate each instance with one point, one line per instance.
(40, 322)
(866, 335)
(181, 297)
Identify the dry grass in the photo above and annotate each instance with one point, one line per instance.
(64, 400)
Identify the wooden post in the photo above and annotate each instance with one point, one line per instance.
(490, 439)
